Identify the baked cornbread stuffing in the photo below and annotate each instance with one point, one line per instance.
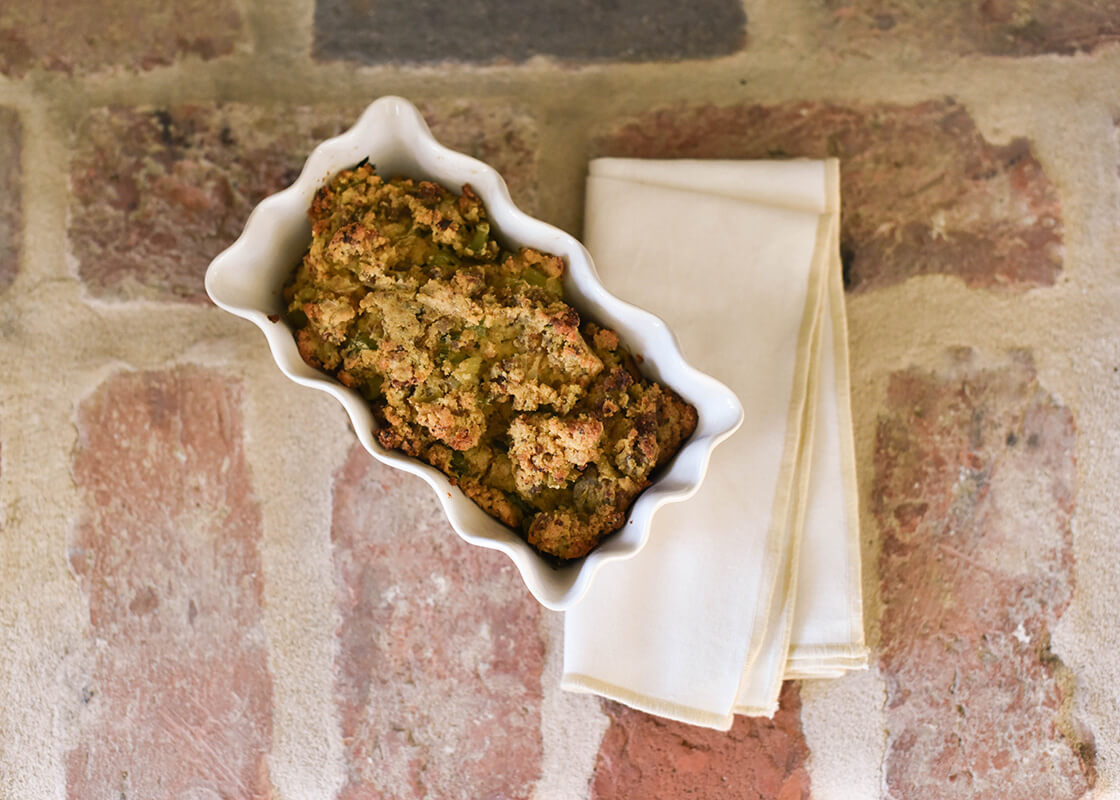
(472, 361)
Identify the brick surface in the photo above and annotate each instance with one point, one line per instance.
(974, 491)
(157, 193)
(177, 698)
(990, 27)
(11, 216)
(923, 191)
(425, 31)
(96, 34)
(440, 655)
(643, 756)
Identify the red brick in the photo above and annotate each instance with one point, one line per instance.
(643, 756)
(923, 191)
(157, 193)
(440, 656)
(989, 27)
(11, 216)
(97, 34)
(974, 491)
(177, 698)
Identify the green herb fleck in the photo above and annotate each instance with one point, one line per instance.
(481, 236)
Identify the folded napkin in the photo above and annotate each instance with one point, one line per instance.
(757, 577)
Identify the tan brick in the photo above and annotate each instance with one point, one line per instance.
(440, 655)
(974, 491)
(97, 34)
(157, 193)
(923, 191)
(989, 27)
(177, 700)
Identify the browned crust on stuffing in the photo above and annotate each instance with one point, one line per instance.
(473, 362)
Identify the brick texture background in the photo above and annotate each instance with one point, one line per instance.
(377, 31)
(439, 652)
(61, 36)
(178, 697)
(923, 191)
(11, 217)
(145, 649)
(973, 584)
(994, 27)
(644, 756)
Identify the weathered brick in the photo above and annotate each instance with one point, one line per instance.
(157, 193)
(923, 191)
(97, 34)
(439, 660)
(645, 756)
(990, 27)
(974, 490)
(11, 216)
(177, 700)
(428, 31)
(504, 137)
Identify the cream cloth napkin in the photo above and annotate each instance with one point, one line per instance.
(757, 577)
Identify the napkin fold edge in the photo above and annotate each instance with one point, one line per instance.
(783, 544)
(843, 388)
(585, 684)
